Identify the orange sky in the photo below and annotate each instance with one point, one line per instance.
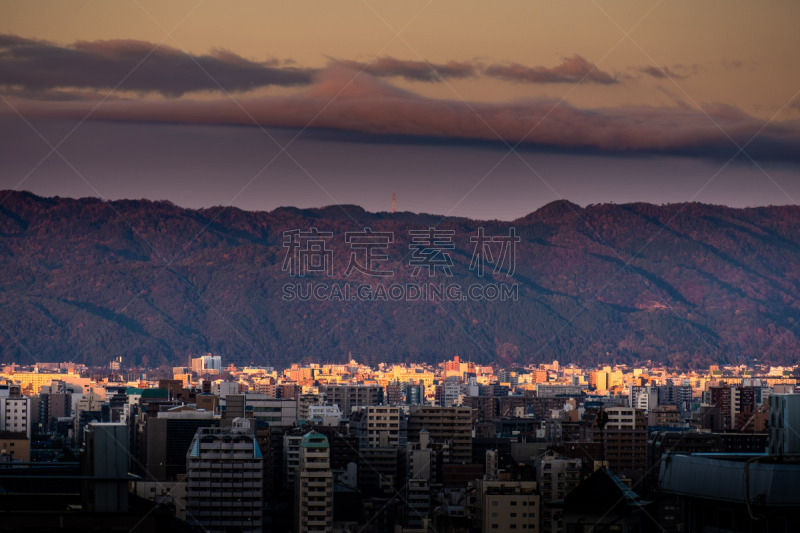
(317, 102)
(740, 53)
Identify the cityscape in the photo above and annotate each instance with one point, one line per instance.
(428, 266)
(455, 446)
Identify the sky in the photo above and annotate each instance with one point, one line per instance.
(477, 109)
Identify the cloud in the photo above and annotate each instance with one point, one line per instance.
(131, 65)
(573, 69)
(660, 72)
(345, 100)
(388, 67)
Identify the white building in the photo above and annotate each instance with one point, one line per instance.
(15, 414)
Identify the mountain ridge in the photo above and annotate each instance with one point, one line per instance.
(684, 284)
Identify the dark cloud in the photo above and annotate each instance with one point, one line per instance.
(131, 65)
(661, 73)
(387, 67)
(342, 99)
(572, 70)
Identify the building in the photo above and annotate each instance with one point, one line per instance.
(506, 506)
(262, 408)
(224, 479)
(15, 446)
(207, 364)
(15, 413)
(732, 402)
(558, 476)
(784, 424)
(622, 431)
(314, 486)
(737, 492)
(104, 464)
(376, 426)
(349, 396)
(664, 416)
(421, 469)
(450, 426)
(168, 438)
(553, 390)
(324, 415)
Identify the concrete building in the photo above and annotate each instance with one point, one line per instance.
(314, 485)
(15, 446)
(349, 396)
(291, 457)
(275, 411)
(421, 468)
(105, 458)
(168, 438)
(622, 431)
(15, 413)
(558, 476)
(732, 402)
(552, 390)
(784, 424)
(446, 425)
(324, 415)
(506, 505)
(207, 364)
(224, 479)
(376, 426)
(664, 416)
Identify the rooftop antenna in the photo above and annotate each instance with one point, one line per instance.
(394, 202)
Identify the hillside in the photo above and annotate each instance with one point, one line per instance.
(686, 284)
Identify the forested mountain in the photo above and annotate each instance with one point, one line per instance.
(685, 284)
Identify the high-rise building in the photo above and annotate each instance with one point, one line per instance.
(733, 401)
(450, 426)
(421, 467)
(224, 479)
(104, 465)
(622, 431)
(557, 477)
(314, 485)
(376, 426)
(168, 438)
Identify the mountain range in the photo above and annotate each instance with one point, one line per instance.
(687, 285)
